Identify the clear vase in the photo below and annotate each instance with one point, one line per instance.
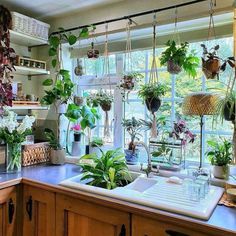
(13, 157)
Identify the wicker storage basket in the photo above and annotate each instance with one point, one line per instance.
(33, 154)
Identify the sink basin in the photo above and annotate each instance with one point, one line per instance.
(155, 192)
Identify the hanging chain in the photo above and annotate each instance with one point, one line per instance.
(128, 60)
(153, 79)
(211, 28)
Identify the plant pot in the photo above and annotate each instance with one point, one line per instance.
(211, 68)
(173, 68)
(79, 101)
(77, 137)
(153, 104)
(61, 107)
(221, 172)
(76, 149)
(229, 111)
(106, 107)
(128, 83)
(57, 157)
(131, 156)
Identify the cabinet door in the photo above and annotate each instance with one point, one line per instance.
(142, 226)
(8, 211)
(38, 212)
(75, 217)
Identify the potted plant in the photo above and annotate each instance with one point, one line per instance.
(151, 95)
(220, 156)
(13, 134)
(96, 145)
(57, 153)
(77, 132)
(109, 171)
(176, 57)
(211, 62)
(129, 81)
(133, 127)
(7, 58)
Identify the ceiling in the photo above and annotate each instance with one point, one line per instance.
(51, 8)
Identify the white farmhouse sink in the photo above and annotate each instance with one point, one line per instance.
(155, 192)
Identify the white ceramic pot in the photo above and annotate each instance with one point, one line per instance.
(61, 107)
(221, 172)
(57, 157)
(76, 149)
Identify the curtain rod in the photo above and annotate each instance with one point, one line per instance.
(129, 16)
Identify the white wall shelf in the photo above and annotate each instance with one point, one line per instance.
(22, 70)
(26, 40)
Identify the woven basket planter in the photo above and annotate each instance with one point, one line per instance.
(211, 68)
(173, 68)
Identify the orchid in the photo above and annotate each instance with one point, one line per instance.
(76, 128)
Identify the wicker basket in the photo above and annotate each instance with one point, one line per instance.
(33, 154)
(173, 68)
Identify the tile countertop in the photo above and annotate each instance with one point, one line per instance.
(222, 217)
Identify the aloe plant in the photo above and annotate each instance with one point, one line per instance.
(109, 171)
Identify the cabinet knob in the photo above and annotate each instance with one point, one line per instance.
(175, 233)
(123, 231)
(29, 207)
(11, 210)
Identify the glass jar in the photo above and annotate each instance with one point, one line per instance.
(13, 157)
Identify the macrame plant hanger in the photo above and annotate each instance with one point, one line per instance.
(176, 36)
(106, 76)
(153, 79)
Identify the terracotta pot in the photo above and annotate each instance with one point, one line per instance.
(173, 68)
(211, 68)
(229, 112)
(153, 104)
(106, 107)
(57, 157)
(221, 172)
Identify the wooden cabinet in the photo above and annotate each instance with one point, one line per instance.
(8, 211)
(143, 226)
(38, 212)
(76, 217)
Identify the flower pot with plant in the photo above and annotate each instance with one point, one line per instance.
(151, 95)
(176, 57)
(13, 134)
(95, 146)
(57, 153)
(129, 81)
(220, 156)
(133, 127)
(109, 171)
(77, 132)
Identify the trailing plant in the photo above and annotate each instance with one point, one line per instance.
(7, 58)
(220, 153)
(109, 171)
(133, 127)
(151, 91)
(52, 139)
(178, 55)
(96, 142)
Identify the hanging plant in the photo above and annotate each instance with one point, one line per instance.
(93, 53)
(130, 80)
(7, 58)
(176, 57)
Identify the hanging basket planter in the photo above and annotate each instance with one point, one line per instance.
(106, 106)
(229, 111)
(153, 104)
(211, 68)
(128, 82)
(93, 53)
(173, 68)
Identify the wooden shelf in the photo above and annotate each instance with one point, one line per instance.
(26, 40)
(22, 70)
(28, 107)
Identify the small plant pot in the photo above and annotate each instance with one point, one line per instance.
(173, 68)
(77, 137)
(57, 157)
(153, 104)
(76, 149)
(79, 101)
(131, 156)
(211, 68)
(221, 172)
(106, 107)
(61, 107)
(229, 112)
(128, 83)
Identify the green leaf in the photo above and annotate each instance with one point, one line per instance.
(84, 33)
(72, 39)
(47, 82)
(52, 52)
(54, 42)
(54, 62)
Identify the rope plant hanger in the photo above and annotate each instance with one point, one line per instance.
(106, 96)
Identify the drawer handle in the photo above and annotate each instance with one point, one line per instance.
(29, 207)
(123, 231)
(175, 233)
(11, 211)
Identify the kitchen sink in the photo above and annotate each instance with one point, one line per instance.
(155, 192)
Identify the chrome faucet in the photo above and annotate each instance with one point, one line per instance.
(149, 168)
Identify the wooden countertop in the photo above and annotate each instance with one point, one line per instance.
(49, 176)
